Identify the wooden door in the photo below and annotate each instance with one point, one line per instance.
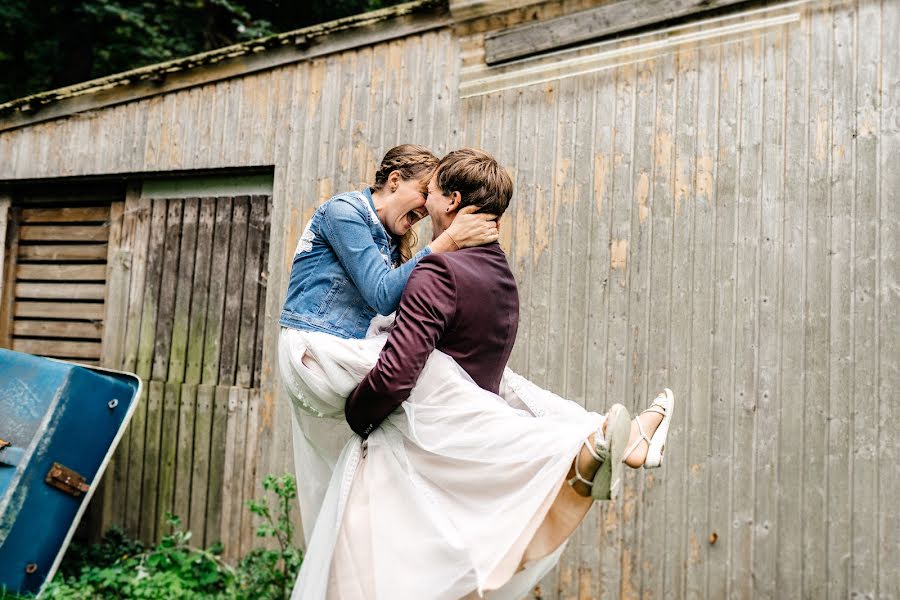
(55, 279)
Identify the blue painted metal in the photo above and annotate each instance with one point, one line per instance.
(51, 412)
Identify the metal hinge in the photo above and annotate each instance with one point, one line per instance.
(67, 480)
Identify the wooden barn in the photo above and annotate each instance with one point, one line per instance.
(703, 201)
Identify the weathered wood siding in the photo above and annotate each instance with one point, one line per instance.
(716, 215)
(709, 209)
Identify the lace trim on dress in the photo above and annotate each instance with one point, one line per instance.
(306, 240)
(520, 386)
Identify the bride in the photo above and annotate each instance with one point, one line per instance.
(460, 491)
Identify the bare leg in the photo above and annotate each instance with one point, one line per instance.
(650, 421)
(587, 466)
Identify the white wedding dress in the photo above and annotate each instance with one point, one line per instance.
(442, 500)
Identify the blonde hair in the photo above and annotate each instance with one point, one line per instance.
(412, 162)
(478, 178)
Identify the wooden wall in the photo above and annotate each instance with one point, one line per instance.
(190, 309)
(717, 215)
(708, 209)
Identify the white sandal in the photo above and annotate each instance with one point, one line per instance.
(607, 449)
(663, 404)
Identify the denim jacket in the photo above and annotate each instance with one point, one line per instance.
(346, 269)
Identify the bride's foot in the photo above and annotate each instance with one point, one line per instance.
(646, 433)
(597, 469)
(586, 464)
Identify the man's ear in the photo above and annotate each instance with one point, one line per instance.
(455, 199)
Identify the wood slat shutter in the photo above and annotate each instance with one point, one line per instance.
(55, 280)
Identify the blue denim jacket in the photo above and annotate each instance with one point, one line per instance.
(346, 269)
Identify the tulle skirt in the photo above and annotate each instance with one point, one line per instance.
(459, 493)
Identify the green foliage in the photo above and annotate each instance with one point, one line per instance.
(120, 568)
(267, 573)
(52, 43)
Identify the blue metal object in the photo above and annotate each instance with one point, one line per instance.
(59, 425)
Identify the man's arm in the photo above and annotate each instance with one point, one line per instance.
(425, 312)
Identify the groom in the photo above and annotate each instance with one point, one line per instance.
(463, 303)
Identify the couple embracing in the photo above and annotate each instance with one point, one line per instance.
(426, 468)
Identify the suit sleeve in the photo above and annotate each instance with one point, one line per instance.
(426, 311)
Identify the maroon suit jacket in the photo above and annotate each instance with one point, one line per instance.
(463, 303)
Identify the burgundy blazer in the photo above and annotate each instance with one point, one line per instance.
(463, 303)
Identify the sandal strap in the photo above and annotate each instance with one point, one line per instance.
(596, 456)
(655, 408)
(643, 438)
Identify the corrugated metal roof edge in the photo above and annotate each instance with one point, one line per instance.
(297, 38)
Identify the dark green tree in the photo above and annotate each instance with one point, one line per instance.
(46, 44)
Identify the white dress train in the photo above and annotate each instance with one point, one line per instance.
(444, 497)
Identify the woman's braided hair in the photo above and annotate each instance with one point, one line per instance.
(412, 162)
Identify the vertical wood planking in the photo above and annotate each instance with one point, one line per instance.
(538, 301)
(162, 339)
(788, 572)
(769, 304)
(217, 292)
(248, 314)
(138, 212)
(622, 172)
(724, 323)
(661, 186)
(200, 465)
(5, 270)
(580, 284)
(864, 564)
(185, 454)
(233, 473)
(840, 318)
(680, 319)
(557, 292)
(360, 158)
(183, 288)
(109, 503)
(522, 263)
(888, 304)
(8, 275)
(640, 245)
(135, 237)
(252, 486)
(168, 454)
(818, 282)
(823, 282)
(152, 457)
(200, 291)
(217, 461)
(234, 283)
(746, 315)
(262, 340)
(697, 430)
(602, 153)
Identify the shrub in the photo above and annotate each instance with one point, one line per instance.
(121, 568)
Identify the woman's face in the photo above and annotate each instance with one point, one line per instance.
(405, 206)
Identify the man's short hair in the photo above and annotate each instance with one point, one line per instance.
(478, 178)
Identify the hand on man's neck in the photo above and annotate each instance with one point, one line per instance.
(440, 225)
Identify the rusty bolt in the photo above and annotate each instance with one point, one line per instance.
(713, 538)
(30, 568)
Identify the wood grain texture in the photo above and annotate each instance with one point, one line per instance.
(602, 21)
(707, 208)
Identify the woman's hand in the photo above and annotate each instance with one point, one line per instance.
(467, 230)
